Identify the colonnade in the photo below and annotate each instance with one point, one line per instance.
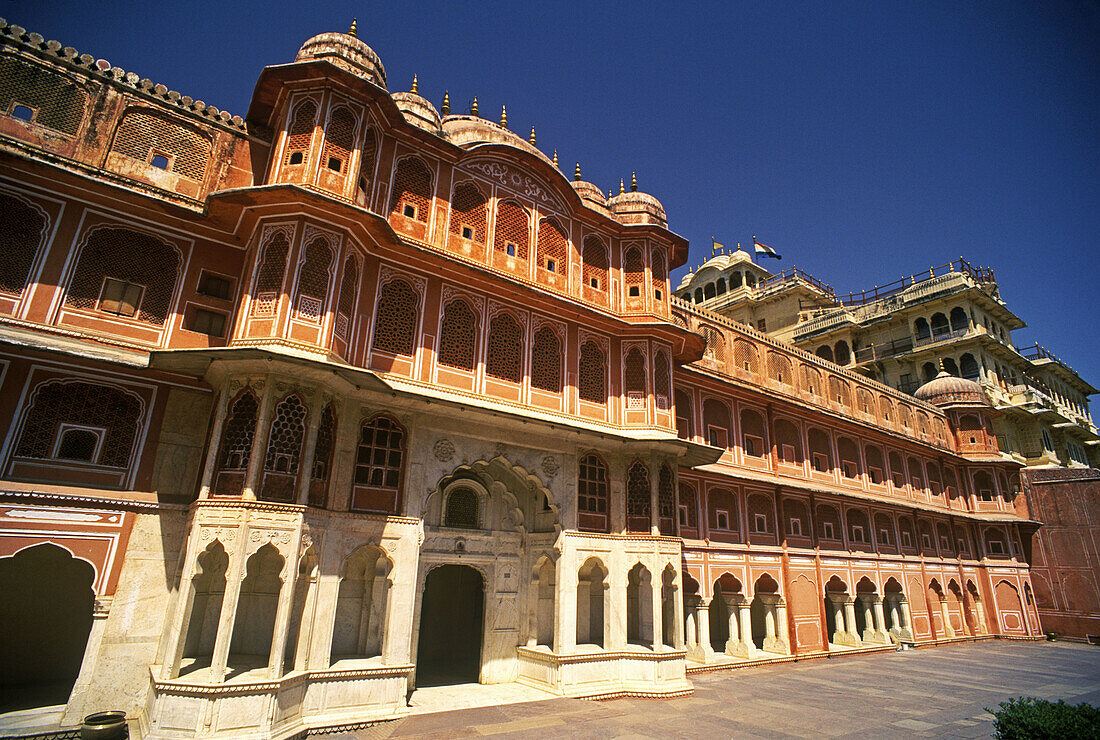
(741, 643)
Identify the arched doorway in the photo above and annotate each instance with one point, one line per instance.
(451, 615)
(45, 618)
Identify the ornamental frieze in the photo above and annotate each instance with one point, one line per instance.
(516, 181)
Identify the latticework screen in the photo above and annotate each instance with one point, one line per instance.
(662, 385)
(397, 315)
(142, 134)
(349, 285)
(633, 271)
(313, 280)
(779, 368)
(82, 404)
(592, 380)
(284, 443)
(300, 133)
(469, 216)
(689, 503)
(412, 186)
(321, 468)
(458, 335)
(637, 490)
(666, 500)
(634, 378)
(21, 230)
(552, 247)
(59, 102)
(512, 232)
(546, 360)
(270, 279)
(658, 273)
(594, 261)
(239, 429)
(132, 257)
(715, 348)
(745, 356)
(339, 140)
(592, 485)
(505, 349)
(461, 509)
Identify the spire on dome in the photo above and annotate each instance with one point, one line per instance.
(415, 86)
(622, 188)
(555, 160)
(633, 182)
(473, 107)
(504, 116)
(577, 172)
(446, 109)
(531, 138)
(354, 30)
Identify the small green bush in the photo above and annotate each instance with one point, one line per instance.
(1028, 718)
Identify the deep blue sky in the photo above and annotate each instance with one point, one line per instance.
(862, 140)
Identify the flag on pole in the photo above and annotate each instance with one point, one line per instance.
(715, 245)
(763, 250)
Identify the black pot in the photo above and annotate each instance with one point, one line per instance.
(104, 726)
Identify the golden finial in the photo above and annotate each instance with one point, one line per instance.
(473, 107)
(531, 138)
(504, 116)
(610, 193)
(446, 102)
(415, 86)
(633, 182)
(555, 158)
(354, 30)
(577, 172)
(622, 188)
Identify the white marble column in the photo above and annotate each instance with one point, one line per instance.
(214, 447)
(704, 653)
(748, 647)
(881, 635)
(979, 611)
(850, 621)
(309, 447)
(906, 633)
(282, 615)
(228, 616)
(948, 630)
(733, 644)
(259, 442)
(656, 591)
(782, 640)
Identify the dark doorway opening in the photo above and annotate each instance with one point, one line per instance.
(45, 618)
(451, 616)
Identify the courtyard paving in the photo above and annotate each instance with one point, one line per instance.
(940, 692)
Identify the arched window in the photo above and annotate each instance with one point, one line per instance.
(284, 448)
(661, 381)
(658, 274)
(745, 356)
(546, 360)
(592, 494)
(689, 503)
(698, 295)
(886, 409)
(22, 228)
(821, 454)
(983, 486)
(828, 523)
(787, 442)
(916, 475)
(633, 272)
(634, 379)
(321, 468)
(825, 352)
(349, 286)
(58, 100)
(125, 273)
(339, 140)
(594, 264)
(637, 498)
(715, 349)
(716, 421)
(959, 320)
(811, 381)
(709, 291)
(939, 325)
(666, 501)
(849, 457)
(779, 369)
(458, 335)
(551, 247)
(842, 353)
(379, 463)
(592, 380)
(269, 279)
(720, 286)
(513, 230)
(396, 318)
(366, 168)
(839, 392)
(460, 509)
(949, 366)
(897, 470)
(505, 349)
(920, 328)
(313, 280)
(300, 134)
(84, 422)
(969, 367)
(722, 512)
(735, 280)
(685, 418)
(236, 445)
(876, 467)
(412, 190)
(752, 433)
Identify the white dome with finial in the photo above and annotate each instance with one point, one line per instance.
(417, 110)
(635, 207)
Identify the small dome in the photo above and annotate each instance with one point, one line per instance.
(468, 131)
(347, 52)
(418, 111)
(589, 192)
(634, 207)
(948, 390)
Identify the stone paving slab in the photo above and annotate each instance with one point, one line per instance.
(940, 692)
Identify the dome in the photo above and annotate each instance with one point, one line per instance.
(589, 192)
(948, 390)
(468, 131)
(634, 207)
(418, 111)
(346, 51)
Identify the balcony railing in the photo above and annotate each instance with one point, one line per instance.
(1039, 352)
(793, 275)
(980, 274)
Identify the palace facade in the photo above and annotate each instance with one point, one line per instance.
(308, 409)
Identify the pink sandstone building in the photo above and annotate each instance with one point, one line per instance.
(353, 395)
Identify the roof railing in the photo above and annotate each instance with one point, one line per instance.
(1039, 352)
(796, 274)
(980, 274)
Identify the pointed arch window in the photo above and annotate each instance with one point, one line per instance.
(592, 494)
(236, 445)
(634, 379)
(22, 227)
(469, 218)
(546, 360)
(512, 232)
(592, 381)
(321, 468)
(284, 449)
(458, 335)
(313, 279)
(397, 316)
(379, 465)
(300, 134)
(412, 190)
(349, 286)
(633, 272)
(505, 349)
(551, 247)
(269, 280)
(637, 498)
(595, 264)
(339, 140)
